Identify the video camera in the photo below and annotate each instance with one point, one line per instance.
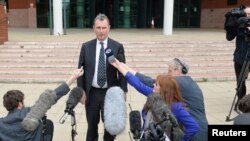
(244, 25)
(237, 12)
(232, 17)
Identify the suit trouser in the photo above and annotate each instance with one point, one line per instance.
(94, 107)
(237, 69)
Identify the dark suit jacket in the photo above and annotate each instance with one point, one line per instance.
(87, 60)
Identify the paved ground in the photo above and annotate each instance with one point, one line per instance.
(218, 99)
(218, 96)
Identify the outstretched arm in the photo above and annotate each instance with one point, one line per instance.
(74, 75)
(123, 68)
(132, 80)
(63, 89)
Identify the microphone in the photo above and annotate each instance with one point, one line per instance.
(38, 111)
(74, 97)
(115, 110)
(135, 123)
(161, 113)
(110, 54)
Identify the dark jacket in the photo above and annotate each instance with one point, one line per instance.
(242, 45)
(10, 126)
(87, 60)
(242, 119)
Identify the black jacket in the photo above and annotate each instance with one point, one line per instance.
(242, 45)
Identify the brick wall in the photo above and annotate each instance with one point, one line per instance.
(213, 12)
(3, 25)
(213, 18)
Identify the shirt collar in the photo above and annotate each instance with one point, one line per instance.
(104, 42)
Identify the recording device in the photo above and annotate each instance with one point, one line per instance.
(244, 24)
(38, 111)
(135, 123)
(74, 97)
(115, 110)
(156, 133)
(231, 22)
(110, 54)
(237, 12)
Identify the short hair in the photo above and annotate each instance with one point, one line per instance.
(244, 104)
(12, 98)
(179, 63)
(101, 17)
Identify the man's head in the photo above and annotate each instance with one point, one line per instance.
(177, 67)
(13, 99)
(101, 27)
(247, 11)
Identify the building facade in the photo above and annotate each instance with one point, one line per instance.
(122, 13)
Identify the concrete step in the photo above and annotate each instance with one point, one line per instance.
(40, 62)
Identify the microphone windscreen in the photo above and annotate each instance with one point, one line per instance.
(135, 121)
(160, 110)
(38, 111)
(115, 110)
(75, 96)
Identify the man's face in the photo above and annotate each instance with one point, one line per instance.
(247, 11)
(101, 29)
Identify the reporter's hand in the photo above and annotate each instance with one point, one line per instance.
(115, 63)
(74, 75)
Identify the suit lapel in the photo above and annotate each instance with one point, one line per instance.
(109, 45)
(92, 54)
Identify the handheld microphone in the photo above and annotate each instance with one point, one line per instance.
(74, 97)
(115, 110)
(110, 54)
(38, 111)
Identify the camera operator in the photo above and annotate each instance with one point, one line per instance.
(234, 30)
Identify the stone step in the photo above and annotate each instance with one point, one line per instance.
(40, 62)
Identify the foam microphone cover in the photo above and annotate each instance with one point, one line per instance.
(110, 54)
(115, 110)
(75, 96)
(38, 111)
(160, 110)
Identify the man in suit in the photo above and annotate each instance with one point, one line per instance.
(99, 75)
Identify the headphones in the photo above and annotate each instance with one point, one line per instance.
(184, 70)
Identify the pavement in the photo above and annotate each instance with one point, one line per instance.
(218, 96)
